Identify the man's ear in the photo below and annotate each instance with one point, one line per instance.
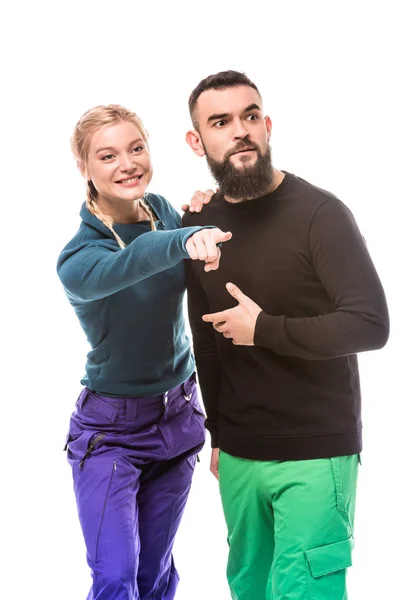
(268, 125)
(194, 141)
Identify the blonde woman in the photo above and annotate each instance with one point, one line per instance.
(137, 427)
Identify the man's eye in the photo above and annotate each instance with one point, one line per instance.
(252, 118)
(220, 123)
(107, 157)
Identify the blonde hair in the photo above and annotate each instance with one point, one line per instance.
(88, 124)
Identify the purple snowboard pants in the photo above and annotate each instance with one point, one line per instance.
(132, 461)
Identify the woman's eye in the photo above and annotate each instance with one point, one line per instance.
(107, 157)
(137, 149)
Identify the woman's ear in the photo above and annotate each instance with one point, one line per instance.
(82, 169)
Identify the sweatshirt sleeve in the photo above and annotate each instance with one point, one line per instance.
(92, 270)
(359, 321)
(205, 350)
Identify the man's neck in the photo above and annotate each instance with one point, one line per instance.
(277, 179)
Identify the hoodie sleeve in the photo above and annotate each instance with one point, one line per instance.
(359, 321)
(92, 270)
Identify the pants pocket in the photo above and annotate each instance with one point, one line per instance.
(344, 470)
(195, 403)
(82, 445)
(198, 410)
(92, 405)
(339, 483)
(326, 570)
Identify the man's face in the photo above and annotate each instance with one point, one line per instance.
(234, 137)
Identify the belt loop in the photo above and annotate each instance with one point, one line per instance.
(131, 409)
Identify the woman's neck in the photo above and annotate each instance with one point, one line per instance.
(122, 211)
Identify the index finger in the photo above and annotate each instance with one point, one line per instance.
(216, 317)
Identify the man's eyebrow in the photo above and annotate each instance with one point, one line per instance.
(217, 117)
(252, 107)
(114, 150)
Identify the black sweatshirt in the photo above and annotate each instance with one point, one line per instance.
(298, 253)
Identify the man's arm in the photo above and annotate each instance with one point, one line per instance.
(205, 349)
(359, 321)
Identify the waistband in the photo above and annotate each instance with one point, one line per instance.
(128, 405)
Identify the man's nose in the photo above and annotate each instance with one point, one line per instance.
(239, 130)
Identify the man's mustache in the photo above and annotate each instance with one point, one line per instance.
(240, 146)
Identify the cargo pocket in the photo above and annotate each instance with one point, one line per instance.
(326, 570)
(71, 436)
(92, 445)
(79, 447)
(67, 441)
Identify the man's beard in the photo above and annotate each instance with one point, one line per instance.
(246, 182)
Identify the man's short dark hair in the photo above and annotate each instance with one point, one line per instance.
(219, 81)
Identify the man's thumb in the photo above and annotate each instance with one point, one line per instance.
(235, 292)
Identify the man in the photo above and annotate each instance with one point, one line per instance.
(276, 331)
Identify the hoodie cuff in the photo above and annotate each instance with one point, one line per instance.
(268, 331)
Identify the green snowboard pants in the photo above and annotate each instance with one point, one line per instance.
(290, 526)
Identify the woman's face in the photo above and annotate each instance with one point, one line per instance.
(118, 164)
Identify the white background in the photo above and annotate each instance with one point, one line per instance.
(328, 74)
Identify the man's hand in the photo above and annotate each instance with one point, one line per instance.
(205, 245)
(238, 323)
(198, 200)
(214, 462)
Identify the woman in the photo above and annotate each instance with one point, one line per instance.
(138, 426)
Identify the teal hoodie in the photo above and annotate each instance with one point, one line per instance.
(129, 301)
